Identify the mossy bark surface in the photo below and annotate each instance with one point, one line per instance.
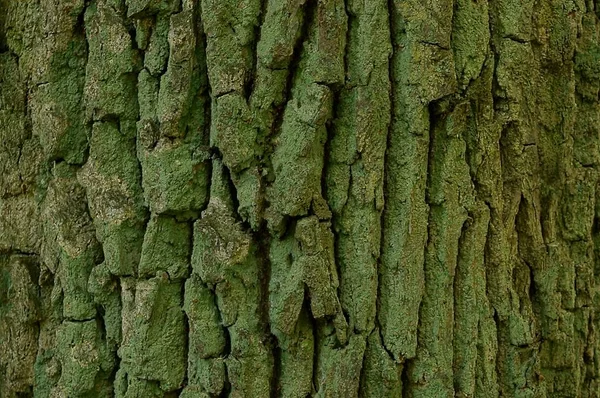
(299, 198)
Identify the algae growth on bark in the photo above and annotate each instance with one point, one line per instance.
(299, 198)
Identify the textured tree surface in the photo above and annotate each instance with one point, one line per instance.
(299, 198)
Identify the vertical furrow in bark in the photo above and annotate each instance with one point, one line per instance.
(230, 29)
(354, 179)
(472, 311)
(422, 71)
(449, 194)
(76, 251)
(207, 341)
(399, 321)
(475, 288)
(566, 189)
(225, 257)
(22, 304)
(111, 174)
(299, 217)
(20, 326)
(586, 161)
(296, 191)
(236, 271)
(354, 189)
(517, 328)
(283, 33)
(475, 342)
(282, 36)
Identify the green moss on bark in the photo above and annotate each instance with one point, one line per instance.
(324, 198)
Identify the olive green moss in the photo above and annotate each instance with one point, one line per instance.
(300, 198)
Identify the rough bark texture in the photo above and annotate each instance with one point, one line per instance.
(293, 198)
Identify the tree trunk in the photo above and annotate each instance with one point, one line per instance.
(299, 198)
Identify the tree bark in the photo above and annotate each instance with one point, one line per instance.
(299, 198)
